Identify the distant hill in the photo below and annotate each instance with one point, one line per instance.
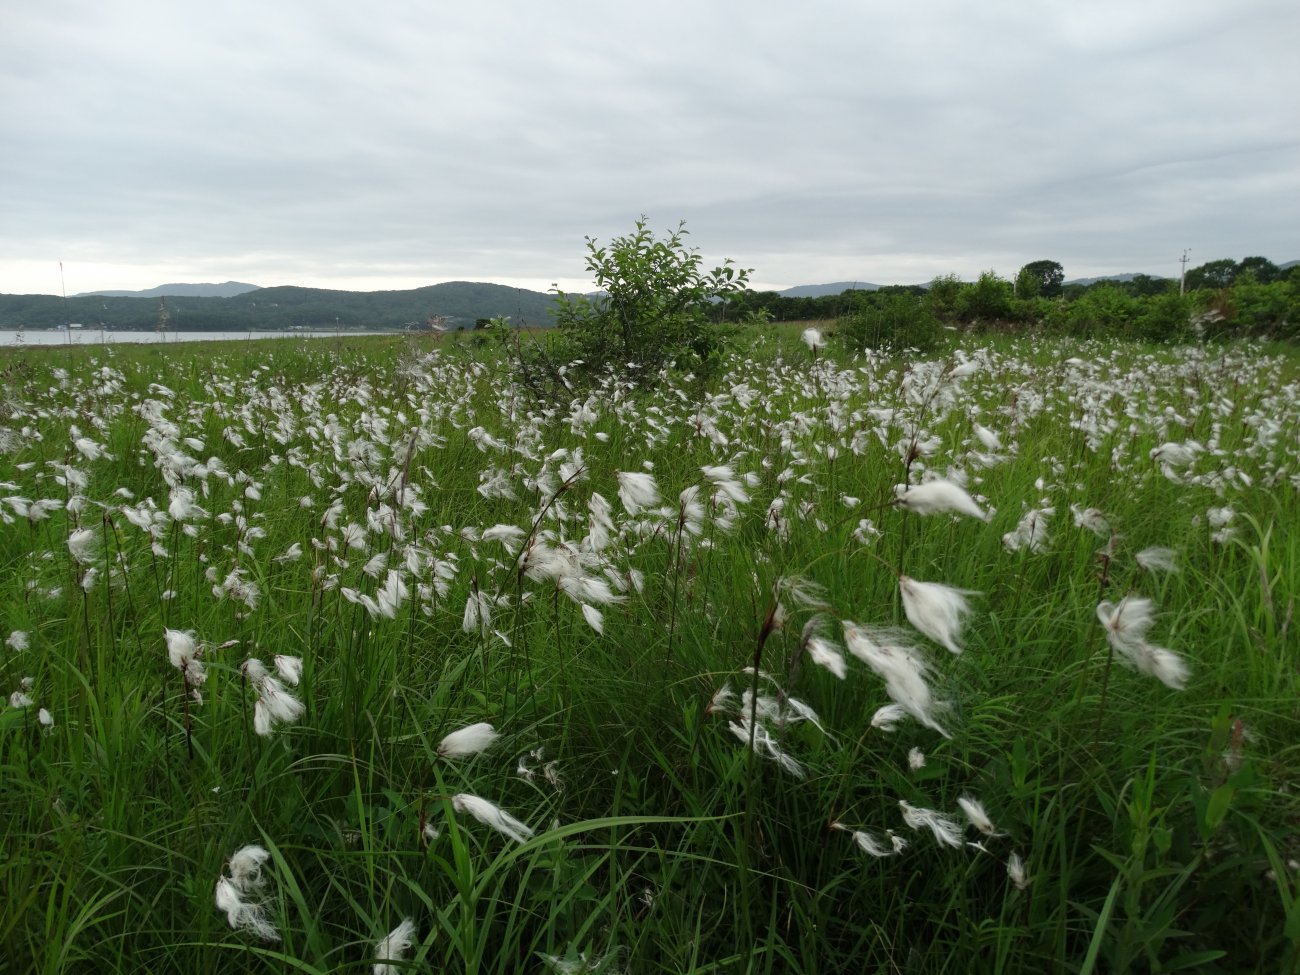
(462, 302)
(1115, 277)
(821, 290)
(227, 290)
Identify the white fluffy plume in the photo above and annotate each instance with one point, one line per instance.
(1127, 623)
(936, 610)
(394, 947)
(947, 832)
(904, 670)
(467, 741)
(937, 497)
(491, 815)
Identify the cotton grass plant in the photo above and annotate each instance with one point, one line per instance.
(669, 676)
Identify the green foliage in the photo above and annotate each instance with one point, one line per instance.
(654, 306)
(889, 321)
(1040, 279)
(1101, 311)
(1164, 317)
(987, 300)
(1212, 274)
(945, 297)
(1158, 830)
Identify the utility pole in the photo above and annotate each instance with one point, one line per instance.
(1182, 278)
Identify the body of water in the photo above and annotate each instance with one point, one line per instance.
(93, 336)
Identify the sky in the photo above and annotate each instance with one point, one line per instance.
(394, 144)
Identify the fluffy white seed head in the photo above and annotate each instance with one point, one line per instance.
(491, 815)
(1126, 622)
(468, 741)
(938, 497)
(393, 947)
(637, 490)
(84, 545)
(1017, 871)
(946, 831)
(974, 810)
(1157, 559)
(289, 668)
(243, 915)
(246, 866)
(936, 610)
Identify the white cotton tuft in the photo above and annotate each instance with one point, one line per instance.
(246, 866)
(1157, 559)
(637, 491)
(468, 741)
(937, 497)
(812, 338)
(824, 652)
(987, 437)
(936, 610)
(243, 915)
(183, 654)
(1127, 621)
(868, 843)
(1092, 519)
(902, 667)
(289, 668)
(946, 831)
(274, 704)
(887, 718)
(1162, 664)
(1017, 871)
(974, 810)
(595, 619)
(1030, 533)
(393, 947)
(491, 815)
(245, 878)
(762, 742)
(1126, 624)
(83, 544)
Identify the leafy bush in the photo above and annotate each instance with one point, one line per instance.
(890, 322)
(653, 308)
(1103, 310)
(944, 296)
(987, 300)
(1165, 318)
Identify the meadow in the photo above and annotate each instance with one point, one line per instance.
(319, 657)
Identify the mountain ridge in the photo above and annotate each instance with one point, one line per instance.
(227, 289)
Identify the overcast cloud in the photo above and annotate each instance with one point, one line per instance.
(398, 144)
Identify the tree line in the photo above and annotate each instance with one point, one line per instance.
(1219, 299)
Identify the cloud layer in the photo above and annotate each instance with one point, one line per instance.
(396, 144)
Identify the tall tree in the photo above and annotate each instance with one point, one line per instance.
(1212, 274)
(1040, 278)
(1265, 271)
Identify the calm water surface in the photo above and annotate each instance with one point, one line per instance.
(93, 336)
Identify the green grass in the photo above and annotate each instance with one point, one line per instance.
(1159, 826)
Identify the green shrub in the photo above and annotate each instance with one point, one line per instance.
(1164, 318)
(944, 296)
(653, 307)
(987, 300)
(1103, 310)
(890, 322)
